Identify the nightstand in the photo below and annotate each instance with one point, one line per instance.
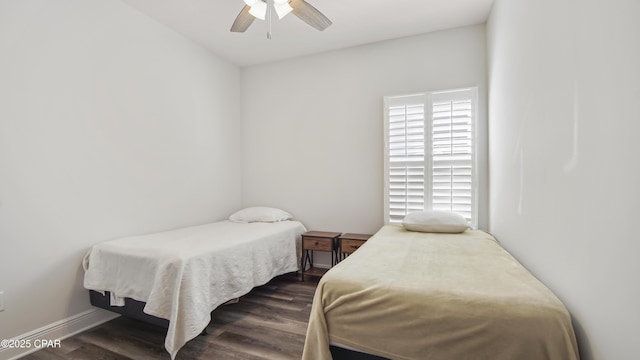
(317, 241)
(351, 242)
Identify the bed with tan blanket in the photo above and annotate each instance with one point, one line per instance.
(413, 295)
(182, 275)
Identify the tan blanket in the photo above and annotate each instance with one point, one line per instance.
(408, 295)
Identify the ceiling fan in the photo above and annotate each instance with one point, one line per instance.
(261, 9)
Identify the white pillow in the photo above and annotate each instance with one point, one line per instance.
(435, 222)
(260, 214)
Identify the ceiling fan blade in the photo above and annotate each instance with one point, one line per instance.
(307, 13)
(243, 20)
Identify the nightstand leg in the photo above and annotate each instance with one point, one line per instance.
(305, 258)
(303, 263)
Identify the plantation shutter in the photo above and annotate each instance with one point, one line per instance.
(429, 154)
(406, 155)
(452, 152)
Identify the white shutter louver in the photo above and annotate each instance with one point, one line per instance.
(406, 153)
(452, 152)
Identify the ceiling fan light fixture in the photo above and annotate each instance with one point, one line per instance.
(263, 9)
(282, 9)
(259, 9)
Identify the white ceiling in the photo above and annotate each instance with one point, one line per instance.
(359, 22)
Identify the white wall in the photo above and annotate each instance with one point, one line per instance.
(564, 170)
(110, 125)
(313, 126)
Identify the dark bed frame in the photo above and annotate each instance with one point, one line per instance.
(339, 353)
(132, 308)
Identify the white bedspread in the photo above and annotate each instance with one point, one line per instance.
(185, 274)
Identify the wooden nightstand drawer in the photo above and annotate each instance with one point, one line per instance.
(320, 244)
(318, 241)
(349, 246)
(349, 243)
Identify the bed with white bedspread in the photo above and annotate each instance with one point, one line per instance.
(182, 275)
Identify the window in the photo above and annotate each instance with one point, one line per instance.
(429, 154)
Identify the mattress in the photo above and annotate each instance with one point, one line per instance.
(182, 275)
(410, 295)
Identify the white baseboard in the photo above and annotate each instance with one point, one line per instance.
(59, 330)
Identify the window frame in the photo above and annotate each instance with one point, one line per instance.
(428, 148)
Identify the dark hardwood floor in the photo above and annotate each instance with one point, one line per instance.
(268, 323)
